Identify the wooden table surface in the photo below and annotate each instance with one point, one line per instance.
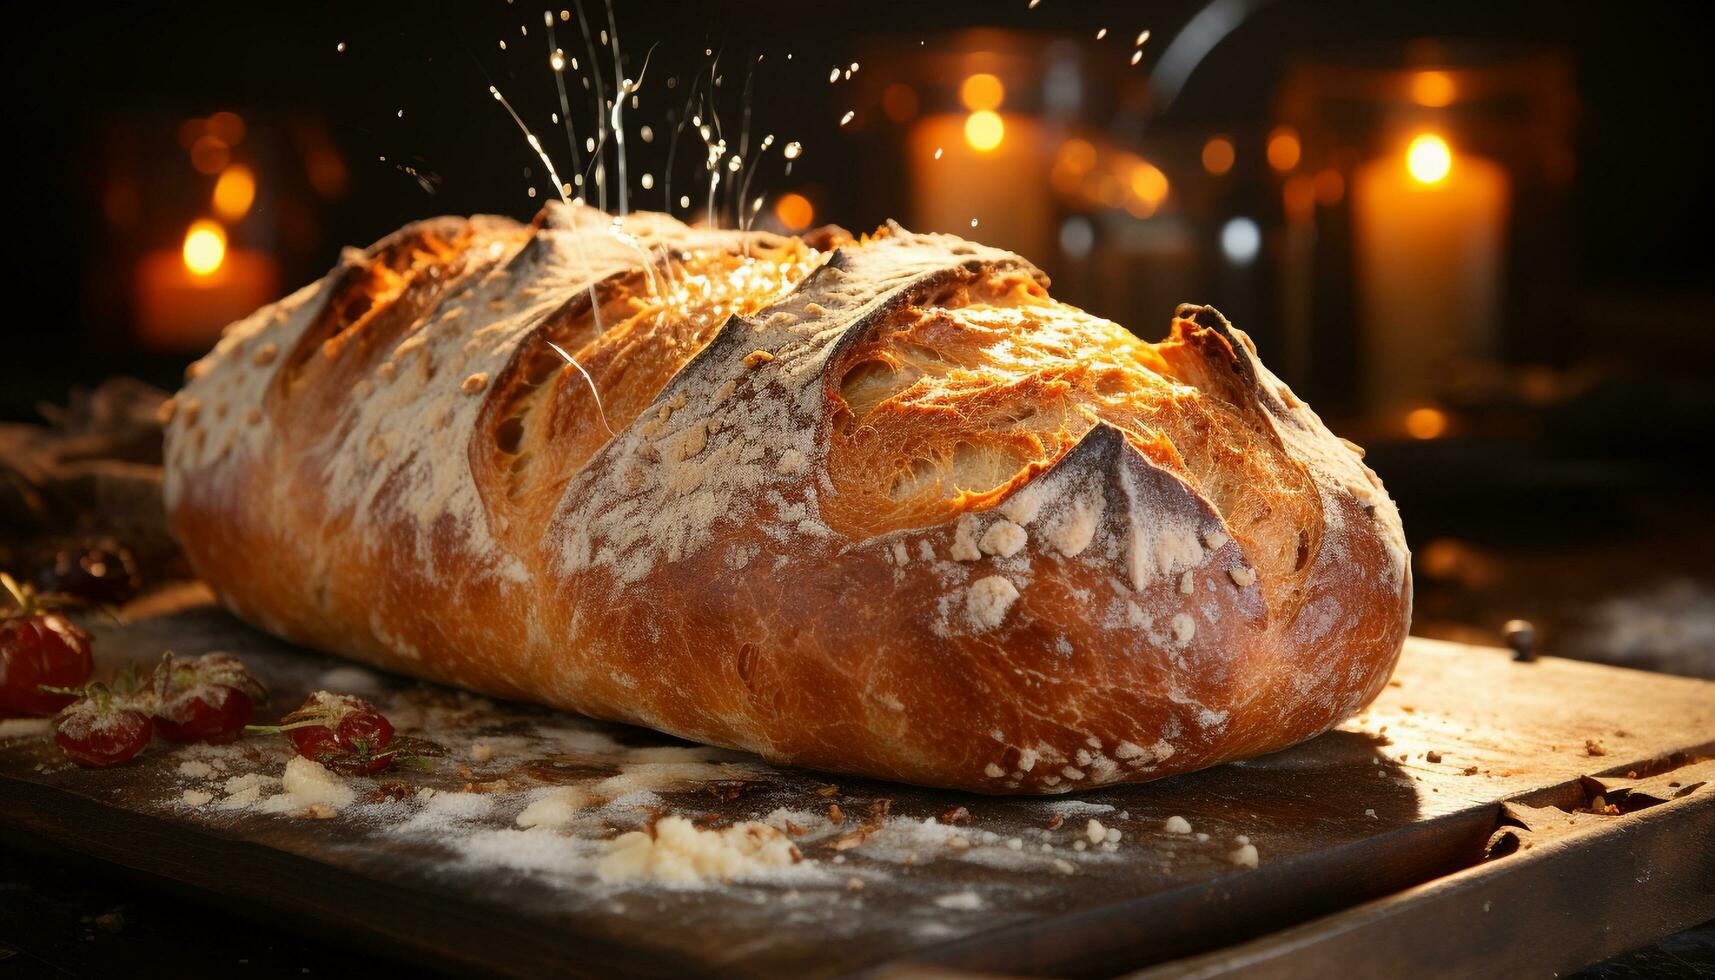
(1397, 803)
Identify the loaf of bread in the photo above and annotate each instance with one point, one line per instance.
(879, 506)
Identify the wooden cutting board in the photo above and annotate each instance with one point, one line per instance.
(430, 864)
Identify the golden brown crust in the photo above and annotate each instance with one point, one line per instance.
(887, 509)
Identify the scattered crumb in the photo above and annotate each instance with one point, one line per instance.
(988, 600)
(675, 852)
(196, 769)
(481, 752)
(1591, 748)
(196, 797)
(1371, 813)
(756, 358)
(309, 783)
(1095, 831)
(1176, 825)
(1245, 856)
(964, 901)
(1433, 756)
(556, 808)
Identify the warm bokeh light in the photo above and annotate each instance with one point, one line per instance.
(1218, 155)
(794, 211)
(1441, 558)
(899, 101)
(234, 192)
(210, 155)
(205, 247)
(226, 127)
(1330, 187)
(984, 130)
(1429, 159)
(1425, 423)
(1284, 148)
(1434, 89)
(982, 91)
(1149, 183)
(1073, 160)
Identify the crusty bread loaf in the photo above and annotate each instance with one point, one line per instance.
(879, 506)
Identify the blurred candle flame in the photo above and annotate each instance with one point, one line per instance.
(205, 247)
(984, 130)
(1429, 159)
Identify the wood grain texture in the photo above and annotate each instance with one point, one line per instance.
(1356, 815)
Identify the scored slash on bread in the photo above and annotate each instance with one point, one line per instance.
(879, 506)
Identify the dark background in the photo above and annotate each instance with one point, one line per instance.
(1639, 222)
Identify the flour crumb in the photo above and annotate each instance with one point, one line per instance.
(308, 783)
(677, 853)
(196, 797)
(555, 808)
(1244, 856)
(1095, 831)
(965, 901)
(965, 540)
(1184, 627)
(1176, 825)
(988, 601)
(1076, 527)
(196, 769)
(1003, 538)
